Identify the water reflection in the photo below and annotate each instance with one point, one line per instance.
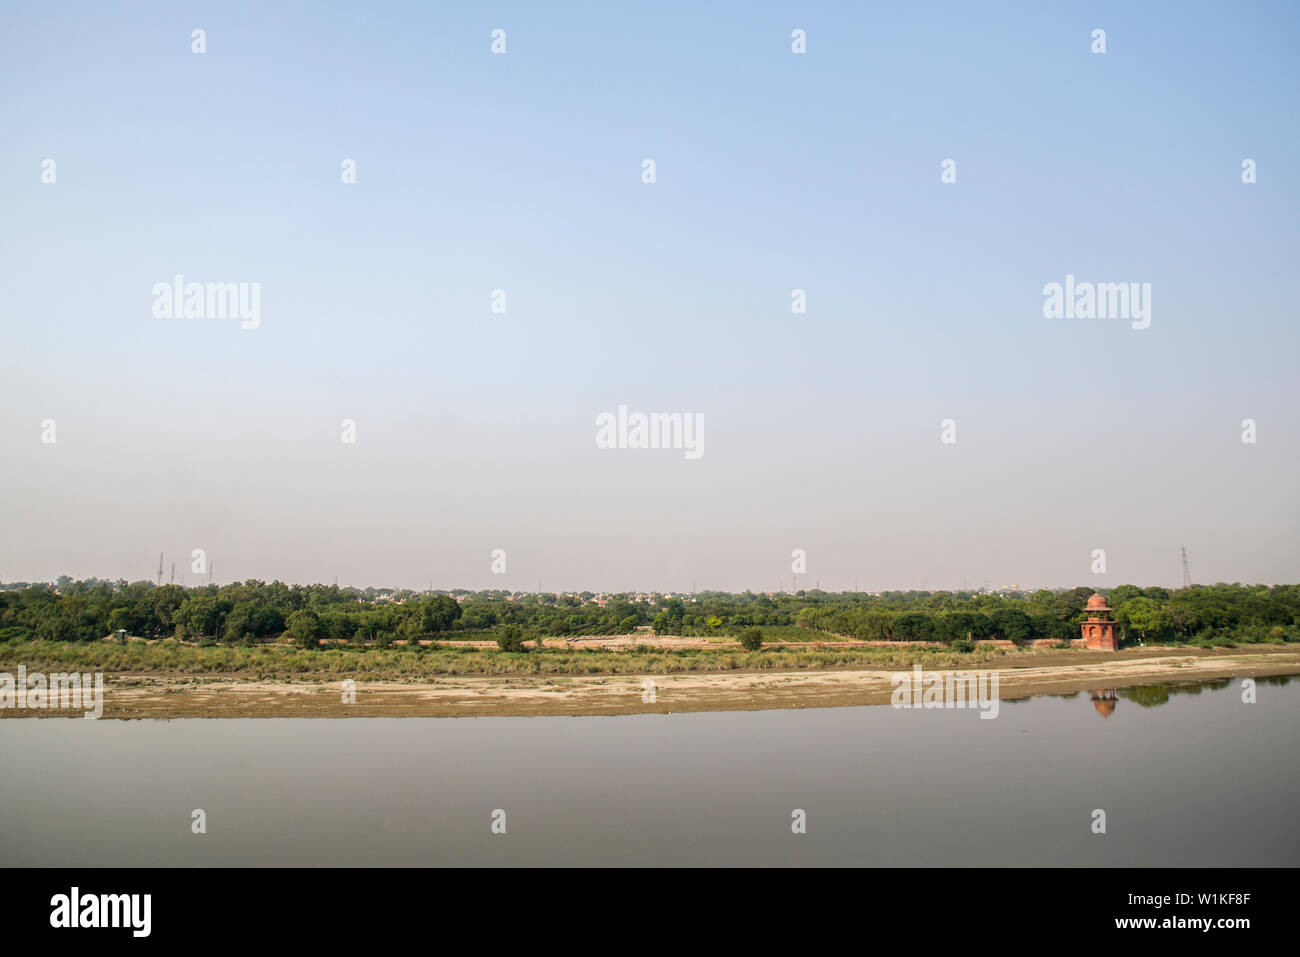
(1154, 695)
(703, 789)
(1104, 701)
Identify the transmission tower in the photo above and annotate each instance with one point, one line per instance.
(160, 569)
(1187, 576)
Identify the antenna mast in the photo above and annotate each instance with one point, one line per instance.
(1187, 576)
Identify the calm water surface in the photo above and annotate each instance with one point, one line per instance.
(1188, 776)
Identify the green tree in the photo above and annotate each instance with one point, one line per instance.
(1068, 605)
(478, 616)
(914, 626)
(440, 613)
(510, 639)
(202, 615)
(1147, 617)
(340, 626)
(241, 621)
(1012, 623)
(306, 629)
(1121, 594)
(751, 639)
(124, 618)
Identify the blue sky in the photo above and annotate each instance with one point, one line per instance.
(775, 171)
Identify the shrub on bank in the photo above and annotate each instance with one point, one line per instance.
(510, 639)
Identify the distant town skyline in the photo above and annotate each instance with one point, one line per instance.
(192, 580)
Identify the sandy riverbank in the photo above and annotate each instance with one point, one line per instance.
(185, 696)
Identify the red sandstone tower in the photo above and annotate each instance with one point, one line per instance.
(1098, 629)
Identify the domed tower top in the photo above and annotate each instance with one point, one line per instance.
(1097, 602)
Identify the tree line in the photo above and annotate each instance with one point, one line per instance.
(256, 611)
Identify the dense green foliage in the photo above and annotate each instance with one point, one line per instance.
(254, 612)
(401, 664)
(1200, 613)
(510, 638)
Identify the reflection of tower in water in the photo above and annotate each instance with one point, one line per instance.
(1104, 701)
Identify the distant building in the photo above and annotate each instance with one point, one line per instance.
(1098, 629)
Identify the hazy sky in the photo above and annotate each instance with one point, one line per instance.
(775, 171)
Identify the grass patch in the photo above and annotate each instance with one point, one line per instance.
(397, 663)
